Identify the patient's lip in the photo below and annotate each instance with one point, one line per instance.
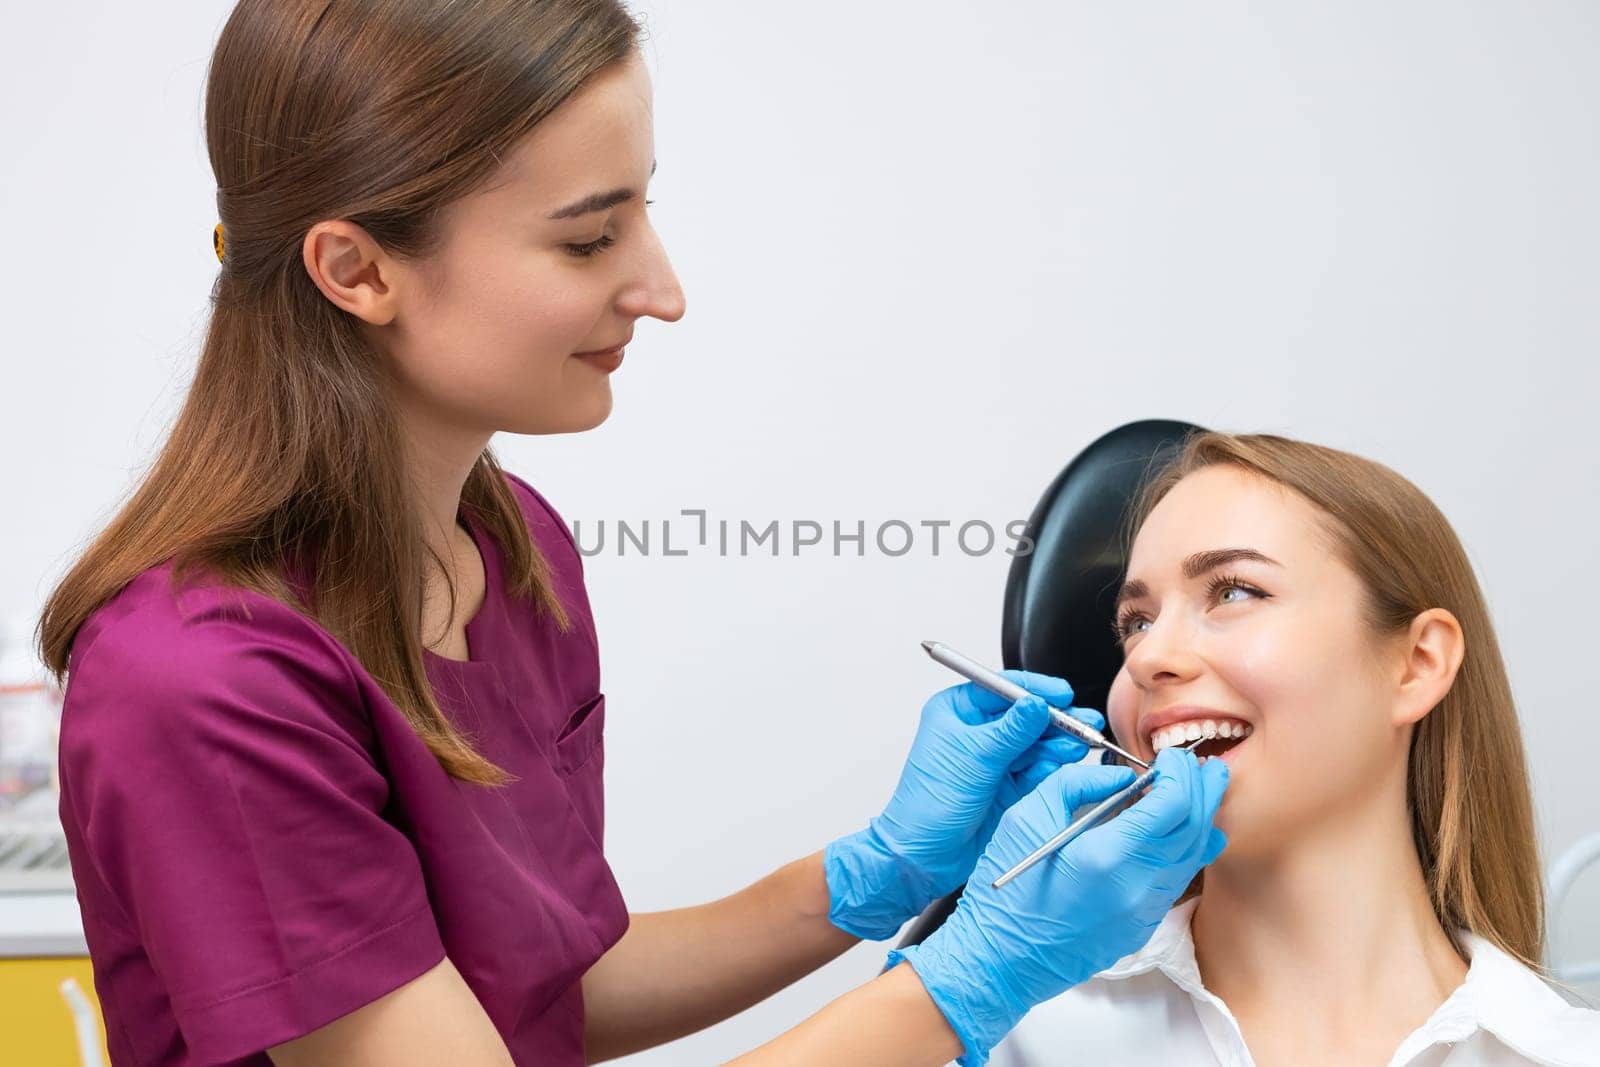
(1152, 721)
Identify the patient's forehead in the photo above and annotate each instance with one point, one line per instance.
(1224, 506)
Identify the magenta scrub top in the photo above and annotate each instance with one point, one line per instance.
(261, 844)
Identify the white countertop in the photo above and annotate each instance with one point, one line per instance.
(38, 907)
(41, 924)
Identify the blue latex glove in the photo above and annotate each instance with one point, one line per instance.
(974, 755)
(1068, 917)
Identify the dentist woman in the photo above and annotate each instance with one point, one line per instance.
(332, 742)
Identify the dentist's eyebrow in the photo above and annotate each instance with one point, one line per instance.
(599, 201)
(1196, 565)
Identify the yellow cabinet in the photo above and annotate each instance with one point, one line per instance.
(36, 1023)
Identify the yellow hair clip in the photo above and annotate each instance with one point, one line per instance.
(217, 241)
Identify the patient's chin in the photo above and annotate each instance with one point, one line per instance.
(1258, 830)
(1251, 831)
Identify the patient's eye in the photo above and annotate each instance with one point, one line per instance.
(1123, 627)
(1222, 583)
(1124, 624)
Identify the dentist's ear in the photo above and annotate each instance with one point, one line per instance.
(1433, 649)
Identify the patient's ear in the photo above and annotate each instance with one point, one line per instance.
(1432, 650)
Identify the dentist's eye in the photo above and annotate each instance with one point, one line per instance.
(594, 248)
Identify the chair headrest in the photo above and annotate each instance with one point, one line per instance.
(1061, 597)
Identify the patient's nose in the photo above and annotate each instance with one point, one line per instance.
(1163, 654)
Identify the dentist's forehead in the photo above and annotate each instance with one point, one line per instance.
(1223, 507)
(605, 125)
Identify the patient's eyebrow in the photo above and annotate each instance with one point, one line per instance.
(598, 201)
(1211, 559)
(1196, 565)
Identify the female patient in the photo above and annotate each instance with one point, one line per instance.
(1311, 616)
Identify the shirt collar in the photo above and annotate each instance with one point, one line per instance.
(1170, 950)
(1499, 995)
(1505, 998)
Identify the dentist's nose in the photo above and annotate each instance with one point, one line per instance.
(656, 291)
(661, 296)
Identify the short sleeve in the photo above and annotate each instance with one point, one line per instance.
(229, 804)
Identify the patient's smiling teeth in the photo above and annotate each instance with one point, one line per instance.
(1196, 729)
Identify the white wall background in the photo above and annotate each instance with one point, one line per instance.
(930, 252)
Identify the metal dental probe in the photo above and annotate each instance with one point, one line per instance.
(1088, 819)
(1003, 686)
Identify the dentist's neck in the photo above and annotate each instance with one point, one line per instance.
(1333, 933)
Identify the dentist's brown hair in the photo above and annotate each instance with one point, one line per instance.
(1467, 789)
(382, 112)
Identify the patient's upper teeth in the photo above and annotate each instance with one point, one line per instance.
(1195, 729)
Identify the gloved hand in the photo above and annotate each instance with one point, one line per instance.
(1070, 916)
(973, 756)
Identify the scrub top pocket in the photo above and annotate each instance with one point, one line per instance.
(580, 736)
(579, 761)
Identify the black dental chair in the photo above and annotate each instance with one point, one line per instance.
(1060, 598)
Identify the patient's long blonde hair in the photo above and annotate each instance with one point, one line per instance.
(1467, 788)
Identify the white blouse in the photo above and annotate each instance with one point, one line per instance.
(1150, 1008)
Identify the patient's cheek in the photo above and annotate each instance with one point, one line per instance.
(1269, 670)
(1122, 707)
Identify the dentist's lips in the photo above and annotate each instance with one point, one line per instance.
(608, 360)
